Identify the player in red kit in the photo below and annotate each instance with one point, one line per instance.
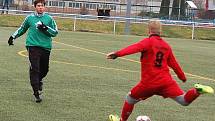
(156, 58)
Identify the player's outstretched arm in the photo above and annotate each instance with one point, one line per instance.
(111, 55)
(131, 49)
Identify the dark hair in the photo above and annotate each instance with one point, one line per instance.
(39, 1)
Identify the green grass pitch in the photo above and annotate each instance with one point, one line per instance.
(83, 86)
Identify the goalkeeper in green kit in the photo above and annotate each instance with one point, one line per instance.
(41, 28)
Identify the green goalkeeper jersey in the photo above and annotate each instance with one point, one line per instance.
(36, 37)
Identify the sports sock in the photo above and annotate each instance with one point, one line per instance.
(191, 95)
(126, 111)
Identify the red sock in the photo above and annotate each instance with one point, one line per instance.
(191, 95)
(126, 111)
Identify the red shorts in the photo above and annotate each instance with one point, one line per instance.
(143, 91)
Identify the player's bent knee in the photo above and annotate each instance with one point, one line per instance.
(185, 104)
(180, 99)
(131, 100)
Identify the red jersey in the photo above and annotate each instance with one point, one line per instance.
(156, 58)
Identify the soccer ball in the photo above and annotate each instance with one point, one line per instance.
(143, 118)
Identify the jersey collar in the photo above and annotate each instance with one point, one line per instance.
(151, 35)
(39, 14)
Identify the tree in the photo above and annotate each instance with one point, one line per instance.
(175, 8)
(164, 9)
(183, 8)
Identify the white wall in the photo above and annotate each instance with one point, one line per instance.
(211, 5)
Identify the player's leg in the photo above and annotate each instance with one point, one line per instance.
(44, 66)
(3, 10)
(173, 91)
(139, 92)
(7, 8)
(126, 109)
(34, 58)
(188, 97)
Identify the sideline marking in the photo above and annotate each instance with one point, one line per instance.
(83, 65)
(22, 53)
(93, 51)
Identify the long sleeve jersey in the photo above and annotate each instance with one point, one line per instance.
(35, 37)
(156, 58)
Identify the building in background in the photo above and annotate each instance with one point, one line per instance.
(116, 7)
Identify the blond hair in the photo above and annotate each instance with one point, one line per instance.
(154, 27)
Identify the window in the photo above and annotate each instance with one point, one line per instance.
(94, 6)
(61, 4)
(70, 4)
(50, 3)
(73, 5)
(54, 3)
(77, 5)
(45, 3)
(88, 5)
(113, 7)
